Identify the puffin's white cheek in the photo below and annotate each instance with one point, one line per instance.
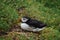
(24, 20)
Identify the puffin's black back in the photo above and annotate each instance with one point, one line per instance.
(35, 23)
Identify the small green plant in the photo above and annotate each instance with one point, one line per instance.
(7, 17)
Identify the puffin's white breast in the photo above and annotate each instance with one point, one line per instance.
(26, 27)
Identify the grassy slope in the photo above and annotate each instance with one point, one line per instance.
(51, 16)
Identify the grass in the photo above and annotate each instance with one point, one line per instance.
(45, 11)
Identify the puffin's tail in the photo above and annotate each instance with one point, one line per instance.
(42, 25)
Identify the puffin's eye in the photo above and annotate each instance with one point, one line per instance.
(24, 19)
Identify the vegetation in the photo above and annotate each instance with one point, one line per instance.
(47, 11)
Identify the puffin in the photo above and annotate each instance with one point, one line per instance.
(29, 24)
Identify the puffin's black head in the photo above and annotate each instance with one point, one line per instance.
(25, 19)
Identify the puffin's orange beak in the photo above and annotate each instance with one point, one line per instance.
(20, 19)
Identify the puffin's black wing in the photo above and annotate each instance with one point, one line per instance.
(36, 24)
